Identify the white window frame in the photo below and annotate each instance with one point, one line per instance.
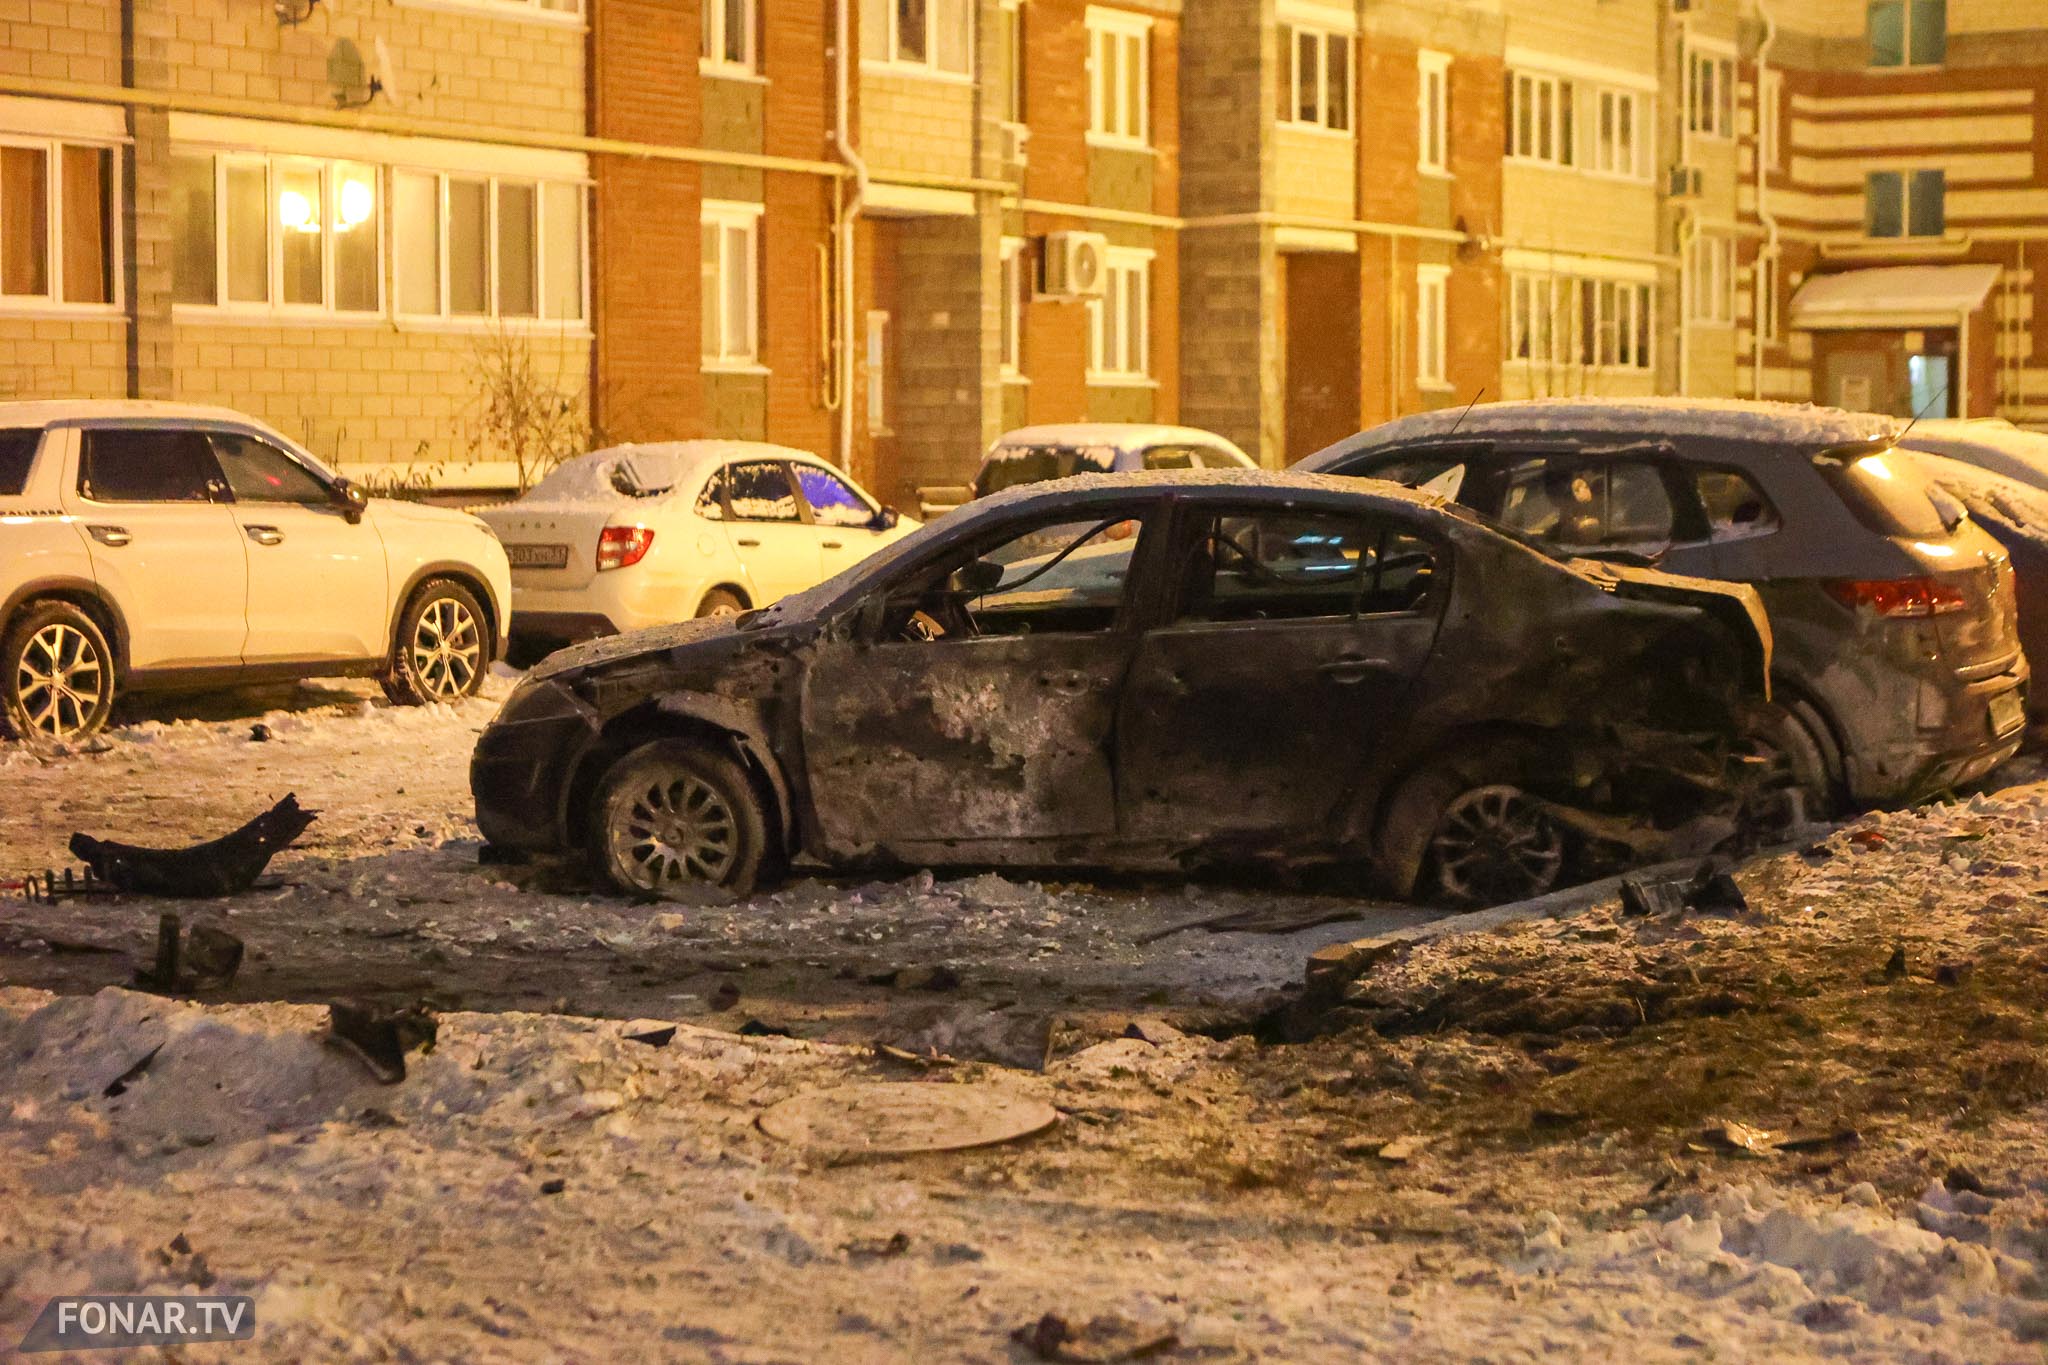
(1907, 177)
(1907, 30)
(892, 58)
(712, 32)
(1624, 313)
(52, 301)
(878, 372)
(1770, 119)
(1011, 17)
(1111, 120)
(1132, 361)
(728, 215)
(1433, 112)
(1709, 112)
(1322, 40)
(273, 305)
(1611, 151)
(1710, 280)
(1432, 321)
(1011, 312)
(1551, 94)
(490, 318)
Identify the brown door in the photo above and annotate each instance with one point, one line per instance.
(1322, 350)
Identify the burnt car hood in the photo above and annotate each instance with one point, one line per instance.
(1735, 605)
(608, 649)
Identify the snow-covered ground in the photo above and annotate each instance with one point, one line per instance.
(1564, 1185)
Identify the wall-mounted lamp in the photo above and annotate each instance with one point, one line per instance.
(292, 13)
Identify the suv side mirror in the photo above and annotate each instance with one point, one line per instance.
(350, 498)
(885, 520)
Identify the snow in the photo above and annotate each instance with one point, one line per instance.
(1991, 444)
(1129, 438)
(656, 467)
(1901, 294)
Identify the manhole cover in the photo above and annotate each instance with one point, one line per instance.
(905, 1116)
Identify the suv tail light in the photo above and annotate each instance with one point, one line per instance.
(620, 546)
(1899, 596)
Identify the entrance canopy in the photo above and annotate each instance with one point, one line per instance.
(1893, 296)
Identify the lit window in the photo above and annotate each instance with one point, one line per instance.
(1431, 316)
(1709, 93)
(878, 373)
(1540, 122)
(276, 233)
(480, 247)
(1315, 91)
(1908, 32)
(730, 302)
(728, 36)
(1011, 307)
(1119, 78)
(1433, 99)
(1711, 279)
(57, 214)
(932, 35)
(1905, 203)
(1120, 322)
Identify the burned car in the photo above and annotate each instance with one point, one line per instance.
(1168, 670)
(1899, 670)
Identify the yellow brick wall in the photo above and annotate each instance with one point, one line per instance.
(1315, 174)
(63, 358)
(55, 40)
(913, 123)
(1847, 18)
(1571, 211)
(1620, 33)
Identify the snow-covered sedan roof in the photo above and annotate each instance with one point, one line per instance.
(1989, 443)
(1803, 425)
(648, 469)
(42, 412)
(1124, 436)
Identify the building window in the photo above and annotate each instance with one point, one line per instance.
(1315, 84)
(1119, 78)
(1009, 82)
(1709, 93)
(1770, 119)
(1433, 98)
(1764, 282)
(1432, 368)
(1905, 203)
(878, 373)
(473, 246)
(730, 301)
(57, 215)
(286, 234)
(1908, 32)
(1120, 322)
(1711, 279)
(1621, 133)
(1540, 119)
(1011, 308)
(1574, 320)
(729, 37)
(923, 35)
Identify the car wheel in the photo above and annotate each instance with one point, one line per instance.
(721, 602)
(1492, 845)
(59, 683)
(442, 647)
(672, 813)
(1796, 763)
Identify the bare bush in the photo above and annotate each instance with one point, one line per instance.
(522, 412)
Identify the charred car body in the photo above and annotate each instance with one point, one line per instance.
(1898, 665)
(1150, 670)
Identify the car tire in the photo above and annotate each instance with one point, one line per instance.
(442, 648)
(59, 679)
(672, 813)
(1474, 836)
(1790, 736)
(721, 602)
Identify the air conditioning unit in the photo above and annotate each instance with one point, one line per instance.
(1685, 182)
(1014, 138)
(1073, 265)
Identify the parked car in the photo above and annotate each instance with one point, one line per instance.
(162, 545)
(641, 535)
(1991, 444)
(1256, 667)
(1058, 451)
(1899, 668)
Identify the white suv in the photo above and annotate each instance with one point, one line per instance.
(157, 545)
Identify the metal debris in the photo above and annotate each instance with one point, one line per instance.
(1104, 1338)
(379, 1037)
(207, 960)
(225, 866)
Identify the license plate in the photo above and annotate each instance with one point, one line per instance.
(538, 556)
(2008, 712)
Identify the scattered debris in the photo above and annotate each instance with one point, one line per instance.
(935, 978)
(889, 1118)
(51, 888)
(754, 1028)
(877, 1248)
(207, 960)
(1403, 1149)
(119, 1085)
(975, 1033)
(225, 866)
(650, 1033)
(724, 998)
(1104, 1338)
(259, 733)
(1153, 1031)
(1730, 1136)
(1707, 891)
(554, 1186)
(380, 1037)
(1895, 966)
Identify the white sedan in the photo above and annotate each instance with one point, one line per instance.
(641, 535)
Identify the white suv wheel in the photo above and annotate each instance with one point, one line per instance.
(59, 683)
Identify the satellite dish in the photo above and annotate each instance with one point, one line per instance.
(352, 84)
(387, 75)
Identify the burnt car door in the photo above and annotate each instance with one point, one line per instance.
(974, 704)
(1284, 657)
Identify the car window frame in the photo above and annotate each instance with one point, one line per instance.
(809, 512)
(1170, 599)
(219, 494)
(36, 436)
(1776, 518)
(803, 510)
(213, 436)
(1688, 517)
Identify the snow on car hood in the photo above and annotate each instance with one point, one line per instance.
(610, 648)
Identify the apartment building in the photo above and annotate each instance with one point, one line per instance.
(324, 214)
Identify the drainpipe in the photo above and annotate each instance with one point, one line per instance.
(1687, 230)
(849, 218)
(1763, 212)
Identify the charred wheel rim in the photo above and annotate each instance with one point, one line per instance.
(672, 829)
(446, 650)
(1496, 844)
(59, 680)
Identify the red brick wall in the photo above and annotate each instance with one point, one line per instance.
(794, 37)
(1055, 354)
(1476, 302)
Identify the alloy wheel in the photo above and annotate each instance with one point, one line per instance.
(447, 649)
(1495, 844)
(676, 829)
(59, 679)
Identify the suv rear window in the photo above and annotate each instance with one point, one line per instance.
(1884, 495)
(1011, 466)
(17, 453)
